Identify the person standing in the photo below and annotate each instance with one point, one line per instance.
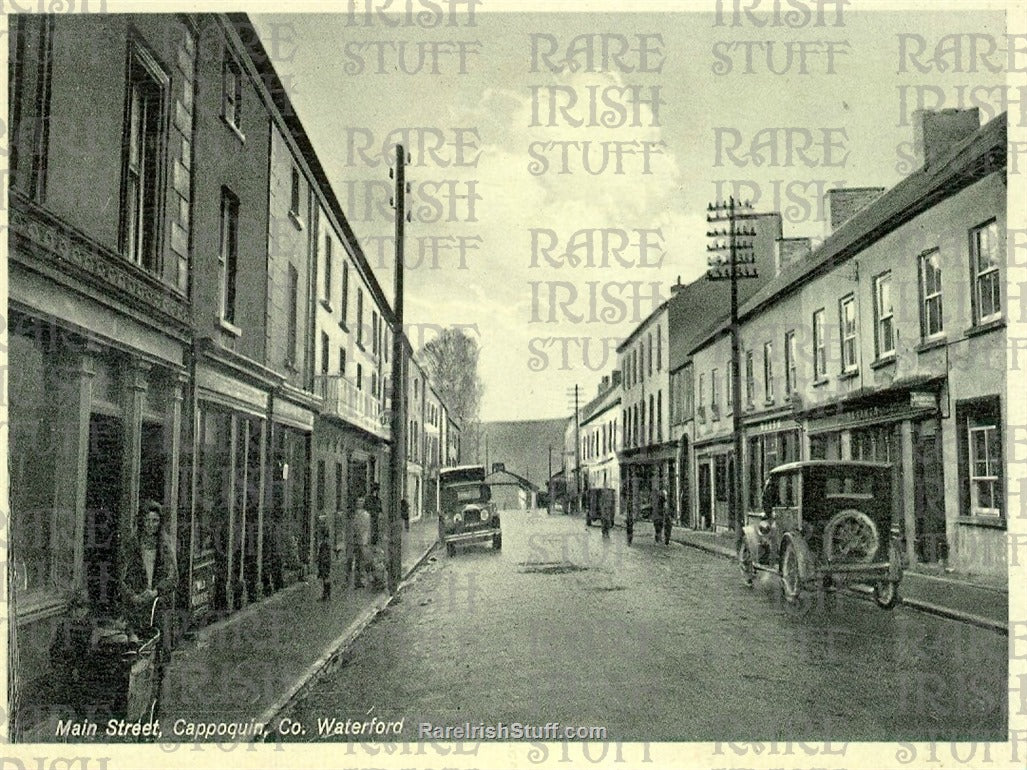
(149, 571)
(668, 516)
(361, 543)
(404, 513)
(374, 508)
(324, 566)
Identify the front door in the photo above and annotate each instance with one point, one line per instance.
(931, 544)
(705, 496)
(103, 502)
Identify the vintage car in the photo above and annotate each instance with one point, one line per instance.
(466, 511)
(824, 524)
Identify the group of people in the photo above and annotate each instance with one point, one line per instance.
(365, 558)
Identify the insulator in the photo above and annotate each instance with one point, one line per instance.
(392, 172)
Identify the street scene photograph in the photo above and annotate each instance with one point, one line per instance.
(474, 384)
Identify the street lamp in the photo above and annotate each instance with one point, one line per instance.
(730, 258)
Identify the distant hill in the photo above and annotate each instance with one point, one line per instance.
(522, 446)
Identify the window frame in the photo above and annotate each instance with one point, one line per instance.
(768, 372)
(881, 318)
(976, 274)
(849, 300)
(791, 369)
(926, 297)
(819, 345)
(234, 117)
(228, 263)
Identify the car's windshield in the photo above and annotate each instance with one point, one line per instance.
(463, 493)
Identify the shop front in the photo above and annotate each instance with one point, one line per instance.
(644, 473)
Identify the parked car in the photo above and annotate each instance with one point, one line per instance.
(825, 524)
(466, 511)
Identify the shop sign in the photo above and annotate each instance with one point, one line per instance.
(922, 400)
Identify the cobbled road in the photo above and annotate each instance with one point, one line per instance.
(654, 643)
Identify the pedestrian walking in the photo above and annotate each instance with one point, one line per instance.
(373, 504)
(324, 566)
(661, 518)
(404, 513)
(361, 544)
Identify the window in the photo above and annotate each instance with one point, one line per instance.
(360, 376)
(750, 379)
(292, 331)
(650, 370)
(715, 394)
(819, 346)
(884, 330)
(325, 353)
(701, 400)
(931, 323)
(228, 256)
(231, 94)
(847, 323)
(143, 163)
(328, 268)
(652, 417)
(659, 415)
(338, 489)
(294, 193)
(985, 260)
(345, 294)
(342, 360)
(360, 318)
(374, 332)
(985, 469)
(768, 371)
(729, 386)
(791, 374)
(322, 482)
(659, 349)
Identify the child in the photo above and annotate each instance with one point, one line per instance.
(324, 566)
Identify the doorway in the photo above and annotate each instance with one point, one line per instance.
(931, 544)
(104, 474)
(705, 496)
(151, 465)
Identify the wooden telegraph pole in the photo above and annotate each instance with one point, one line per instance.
(731, 260)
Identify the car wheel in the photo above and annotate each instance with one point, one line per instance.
(588, 520)
(630, 535)
(450, 549)
(497, 542)
(886, 594)
(796, 591)
(745, 564)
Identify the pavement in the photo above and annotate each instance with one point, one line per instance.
(979, 600)
(250, 666)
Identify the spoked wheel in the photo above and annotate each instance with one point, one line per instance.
(886, 594)
(745, 563)
(797, 593)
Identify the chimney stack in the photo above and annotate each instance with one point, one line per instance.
(790, 250)
(935, 133)
(842, 203)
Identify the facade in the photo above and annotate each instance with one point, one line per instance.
(888, 343)
(418, 495)
(191, 321)
(692, 311)
(647, 454)
(601, 438)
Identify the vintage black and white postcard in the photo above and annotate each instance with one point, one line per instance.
(459, 383)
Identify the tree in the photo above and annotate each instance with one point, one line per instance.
(451, 362)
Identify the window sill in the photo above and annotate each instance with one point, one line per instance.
(234, 128)
(849, 375)
(768, 402)
(327, 305)
(295, 219)
(880, 363)
(984, 328)
(229, 328)
(931, 344)
(821, 382)
(992, 522)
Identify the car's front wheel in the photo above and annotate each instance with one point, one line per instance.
(886, 594)
(796, 589)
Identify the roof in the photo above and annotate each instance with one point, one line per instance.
(975, 157)
(495, 477)
(642, 325)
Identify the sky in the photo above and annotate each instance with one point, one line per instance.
(561, 163)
